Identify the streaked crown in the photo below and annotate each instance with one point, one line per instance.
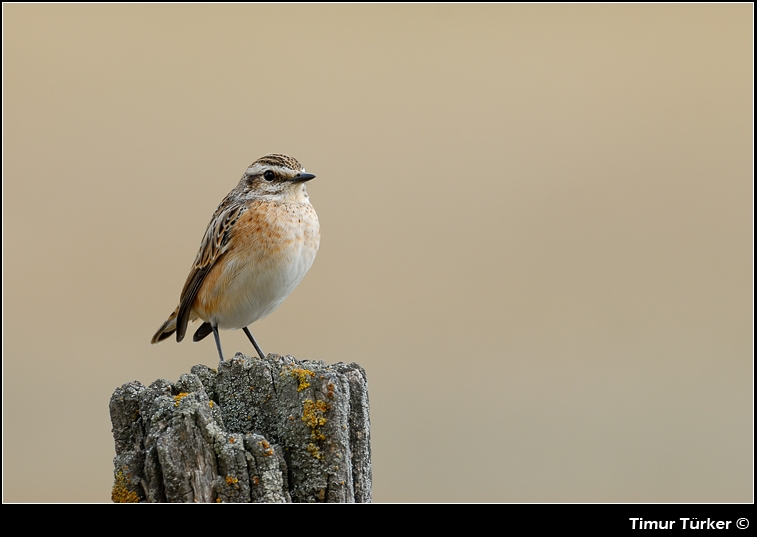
(276, 162)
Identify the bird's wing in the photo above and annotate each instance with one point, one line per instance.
(215, 242)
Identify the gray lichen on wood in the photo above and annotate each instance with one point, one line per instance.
(272, 430)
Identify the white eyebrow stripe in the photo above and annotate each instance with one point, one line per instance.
(258, 168)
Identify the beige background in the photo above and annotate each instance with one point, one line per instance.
(537, 233)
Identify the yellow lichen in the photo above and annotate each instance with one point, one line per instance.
(121, 493)
(230, 480)
(313, 416)
(314, 451)
(211, 404)
(178, 398)
(302, 377)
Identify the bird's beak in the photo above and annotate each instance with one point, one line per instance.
(302, 177)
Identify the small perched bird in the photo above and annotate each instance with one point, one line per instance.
(259, 244)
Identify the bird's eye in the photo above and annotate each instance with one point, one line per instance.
(268, 175)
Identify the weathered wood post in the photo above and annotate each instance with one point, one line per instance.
(273, 430)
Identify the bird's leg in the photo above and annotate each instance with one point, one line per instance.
(218, 340)
(254, 343)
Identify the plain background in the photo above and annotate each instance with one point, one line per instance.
(537, 226)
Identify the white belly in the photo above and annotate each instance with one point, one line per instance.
(256, 291)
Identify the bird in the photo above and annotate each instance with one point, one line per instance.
(259, 244)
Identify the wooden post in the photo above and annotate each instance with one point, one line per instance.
(272, 430)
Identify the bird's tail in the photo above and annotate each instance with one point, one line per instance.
(166, 329)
